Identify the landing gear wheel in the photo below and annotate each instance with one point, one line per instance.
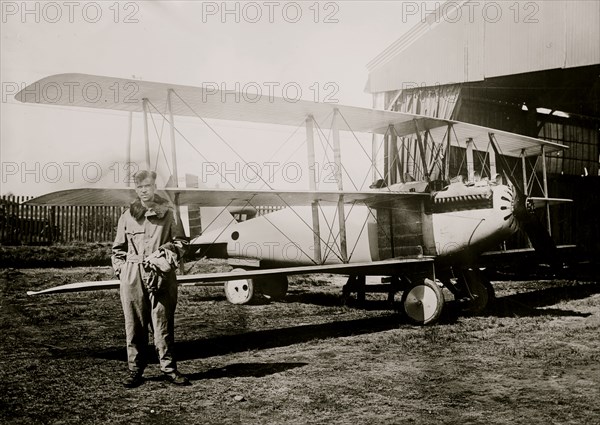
(239, 291)
(274, 287)
(423, 302)
(481, 291)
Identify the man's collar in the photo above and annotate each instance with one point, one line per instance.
(158, 207)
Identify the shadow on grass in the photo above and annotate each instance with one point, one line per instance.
(260, 340)
(338, 300)
(237, 370)
(243, 370)
(518, 305)
(521, 305)
(317, 298)
(528, 304)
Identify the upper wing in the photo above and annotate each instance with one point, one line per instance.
(102, 92)
(385, 267)
(94, 91)
(510, 144)
(219, 197)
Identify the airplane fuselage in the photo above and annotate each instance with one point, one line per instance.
(457, 221)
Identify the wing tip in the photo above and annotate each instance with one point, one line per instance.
(32, 91)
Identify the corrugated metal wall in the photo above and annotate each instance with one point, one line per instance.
(526, 39)
(582, 33)
(446, 53)
(491, 38)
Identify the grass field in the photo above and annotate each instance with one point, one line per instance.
(535, 359)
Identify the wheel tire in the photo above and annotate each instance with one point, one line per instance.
(423, 302)
(239, 291)
(480, 287)
(274, 288)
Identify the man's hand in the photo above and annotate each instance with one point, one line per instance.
(118, 269)
(162, 260)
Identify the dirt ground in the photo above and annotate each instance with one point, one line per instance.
(535, 359)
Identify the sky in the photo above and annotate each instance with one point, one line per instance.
(320, 47)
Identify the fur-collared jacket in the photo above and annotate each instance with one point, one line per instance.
(140, 233)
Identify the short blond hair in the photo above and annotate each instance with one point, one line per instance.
(142, 175)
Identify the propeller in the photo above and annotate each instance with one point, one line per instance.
(528, 222)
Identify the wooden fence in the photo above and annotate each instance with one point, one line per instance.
(29, 224)
(22, 224)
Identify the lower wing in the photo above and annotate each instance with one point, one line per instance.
(386, 267)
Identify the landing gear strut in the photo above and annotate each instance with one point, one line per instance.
(422, 299)
(476, 291)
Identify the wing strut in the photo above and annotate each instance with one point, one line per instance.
(470, 162)
(393, 150)
(446, 165)
(128, 153)
(545, 176)
(421, 148)
(173, 149)
(524, 170)
(146, 135)
(337, 158)
(492, 156)
(312, 185)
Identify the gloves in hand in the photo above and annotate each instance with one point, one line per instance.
(162, 260)
(156, 266)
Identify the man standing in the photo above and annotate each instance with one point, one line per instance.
(149, 244)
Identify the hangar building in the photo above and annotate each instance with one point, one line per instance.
(527, 67)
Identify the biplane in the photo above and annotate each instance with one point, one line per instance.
(421, 225)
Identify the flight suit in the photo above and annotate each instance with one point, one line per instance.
(141, 232)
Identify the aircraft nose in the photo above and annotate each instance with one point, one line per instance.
(506, 205)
